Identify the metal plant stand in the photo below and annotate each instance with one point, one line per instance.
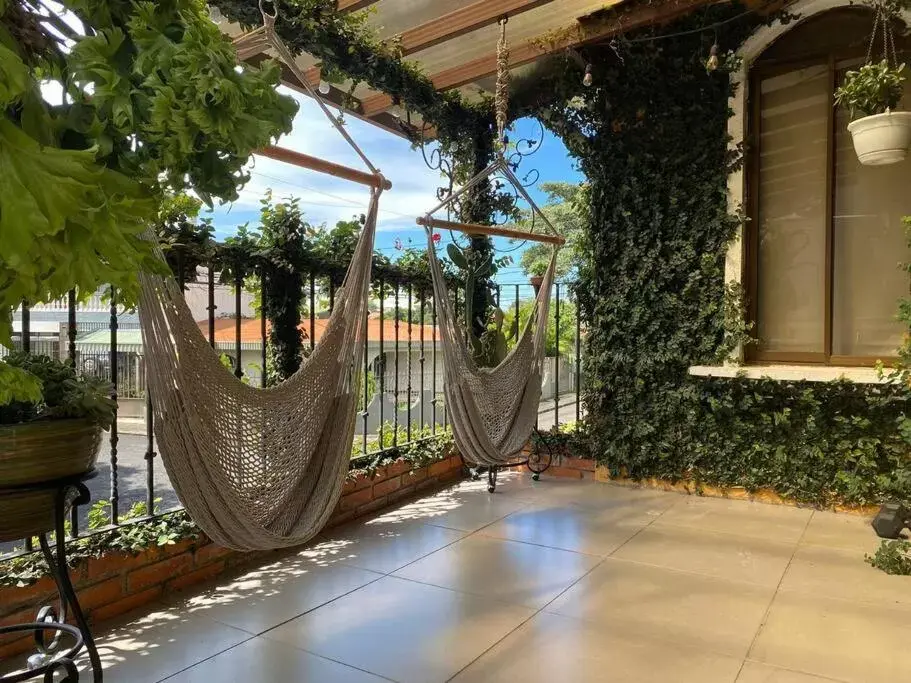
(51, 662)
(536, 461)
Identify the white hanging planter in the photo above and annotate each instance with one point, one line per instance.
(882, 138)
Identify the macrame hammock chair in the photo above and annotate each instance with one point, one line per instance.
(492, 411)
(259, 468)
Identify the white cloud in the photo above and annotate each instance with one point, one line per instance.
(328, 199)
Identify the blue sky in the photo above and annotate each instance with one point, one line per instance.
(325, 199)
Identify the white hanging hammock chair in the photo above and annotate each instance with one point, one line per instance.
(258, 468)
(492, 411)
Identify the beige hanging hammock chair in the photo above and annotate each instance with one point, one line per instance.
(260, 468)
(492, 411)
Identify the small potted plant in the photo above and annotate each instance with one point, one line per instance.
(881, 136)
(51, 438)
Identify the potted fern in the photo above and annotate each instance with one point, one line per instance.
(881, 136)
(56, 436)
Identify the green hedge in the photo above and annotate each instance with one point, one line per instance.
(651, 137)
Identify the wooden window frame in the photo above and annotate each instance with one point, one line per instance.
(753, 354)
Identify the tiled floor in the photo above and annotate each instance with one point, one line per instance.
(563, 581)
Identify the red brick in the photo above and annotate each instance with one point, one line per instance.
(564, 472)
(579, 464)
(438, 468)
(178, 548)
(103, 593)
(210, 571)
(12, 596)
(355, 500)
(126, 604)
(398, 467)
(386, 487)
(210, 552)
(372, 506)
(414, 476)
(159, 572)
(357, 483)
(403, 492)
(17, 647)
(116, 563)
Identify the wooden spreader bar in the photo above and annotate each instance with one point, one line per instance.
(321, 165)
(475, 229)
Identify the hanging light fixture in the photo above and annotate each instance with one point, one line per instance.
(588, 79)
(712, 62)
(324, 87)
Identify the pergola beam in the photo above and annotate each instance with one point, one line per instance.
(461, 21)
(638, 16)
(354, 5)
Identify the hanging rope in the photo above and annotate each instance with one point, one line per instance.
(501, 94)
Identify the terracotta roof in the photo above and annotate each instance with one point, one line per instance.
(251, 331)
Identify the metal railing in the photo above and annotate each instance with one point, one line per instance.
(402, 400)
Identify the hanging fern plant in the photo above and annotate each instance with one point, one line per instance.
(152, 102)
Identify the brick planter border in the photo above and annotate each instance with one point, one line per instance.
(116, 583)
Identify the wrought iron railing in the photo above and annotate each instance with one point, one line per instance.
(403, 378)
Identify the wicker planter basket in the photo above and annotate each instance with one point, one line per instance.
(35, 453)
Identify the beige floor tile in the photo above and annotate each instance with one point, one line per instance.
(571, 527)
(149, 648)
(754, 672)
(403, 630)
(741, 517)
(551, 648)
(690, 609)
(725, 556)
(847, 641)
(455, 509)
(838, 573)
(509, 571)
(269, 595)
(384, 546)
(268, 661)
(840, 530)
(599, 495)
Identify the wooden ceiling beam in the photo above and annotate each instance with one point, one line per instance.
(605, 25)
(461, 21)
(354, 5)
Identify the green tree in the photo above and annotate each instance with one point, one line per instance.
(154, 103)
(185, 240)
(567, 326)
(565, 209)
(284, 241)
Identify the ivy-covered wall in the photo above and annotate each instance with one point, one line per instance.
(651, 137)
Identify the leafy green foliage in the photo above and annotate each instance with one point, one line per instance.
(651, 137)
(185, 240)
(872, 89)
(565, 209)
(567, 325)
(348, 47)
(153, 103)
(424, 448)
(281, 254)
(892, 557)
(135, 532)
(63, 393)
